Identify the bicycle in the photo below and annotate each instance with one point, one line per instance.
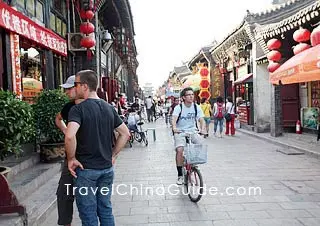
(194, 154)
(140, 135)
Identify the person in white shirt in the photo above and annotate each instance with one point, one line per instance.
(149, 104)
(230, 109)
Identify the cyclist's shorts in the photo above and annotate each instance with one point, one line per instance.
(180, 140)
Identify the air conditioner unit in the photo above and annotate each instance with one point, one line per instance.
(74, 40)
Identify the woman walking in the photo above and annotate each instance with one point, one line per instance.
(230, 109)
(206, 109)
(218, 115)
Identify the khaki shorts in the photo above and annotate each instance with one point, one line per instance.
(180, 140)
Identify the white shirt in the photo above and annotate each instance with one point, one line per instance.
(148, 103)
(230, 108)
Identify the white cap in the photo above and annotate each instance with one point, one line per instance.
(69, 83)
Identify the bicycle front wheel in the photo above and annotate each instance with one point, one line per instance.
(194, 184)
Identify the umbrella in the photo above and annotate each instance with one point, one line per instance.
(31, 84)
(303, 67)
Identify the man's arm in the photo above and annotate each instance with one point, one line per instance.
(60, 123)
(70, 145)
(122, 139)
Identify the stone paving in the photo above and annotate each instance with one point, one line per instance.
(290, 185)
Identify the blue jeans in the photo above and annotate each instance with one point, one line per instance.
(92, 206)
(216, 122)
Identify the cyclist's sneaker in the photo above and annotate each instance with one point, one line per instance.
(180, 180)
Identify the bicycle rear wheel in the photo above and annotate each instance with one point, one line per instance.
(194, 184)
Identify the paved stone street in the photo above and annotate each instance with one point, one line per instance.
(290, 185)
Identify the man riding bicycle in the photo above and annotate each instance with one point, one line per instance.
(184, 118)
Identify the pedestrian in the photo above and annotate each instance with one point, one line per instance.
(218, 116)
(149, 105)
(89, 150)
(64, 200)
(230, 116)
(206, 109)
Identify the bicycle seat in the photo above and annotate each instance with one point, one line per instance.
(140, 123)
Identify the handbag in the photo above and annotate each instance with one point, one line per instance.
(227, 116)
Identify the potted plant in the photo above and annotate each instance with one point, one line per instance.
(16, 125)
(50, 138)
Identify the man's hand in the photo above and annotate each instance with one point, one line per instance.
(114, 160)
(175, 130)
(72, 165)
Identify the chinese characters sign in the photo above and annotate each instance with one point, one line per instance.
(15, 59)
(217, 83)
(22, 25)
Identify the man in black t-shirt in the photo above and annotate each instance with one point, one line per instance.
(88, 141)
(64, 200)
(136, 106)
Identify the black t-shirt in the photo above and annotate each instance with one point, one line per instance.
(65, 110)
(97, 120)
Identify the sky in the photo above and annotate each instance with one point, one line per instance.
(170, 32)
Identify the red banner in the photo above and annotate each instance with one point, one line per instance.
(16, 69)
(16, 22)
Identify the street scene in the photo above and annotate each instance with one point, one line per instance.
(160, 113)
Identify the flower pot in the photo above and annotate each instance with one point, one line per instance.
(52, 152)
(4, 170)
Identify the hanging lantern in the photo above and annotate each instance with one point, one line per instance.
(301, 35)
(273, 66)
(242, 90)
(274, 55)
(273, 44)
(204, 94)
(83, 14)
(89, 14)
(315, 36)
(86, 28)
(300, 47)
(204, 72)
(204, 84)
(88, 42)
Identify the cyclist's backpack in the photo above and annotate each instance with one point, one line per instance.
(219, 113)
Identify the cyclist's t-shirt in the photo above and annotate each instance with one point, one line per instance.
(187, 121)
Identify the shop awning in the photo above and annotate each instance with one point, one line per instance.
(244, 79)
(303, 67)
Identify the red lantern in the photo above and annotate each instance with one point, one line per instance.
(273, 66)
(204, 84)
(274, 55)
(242, 90)
(315, 36)
(300, 47)
(204, 72)
(204, 94)
(86, 28)
(301, 35)
(89, 14)
(88, 42)
(274, 44)
(83, 14)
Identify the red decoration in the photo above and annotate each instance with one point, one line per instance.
(204, 94)
(86, 28)
(204, 84)
(300, 47)
(89, 14)
(242, 90)
(301, 35)
(204, 72)
(273, 66)
(274, 55)
(83, 14)
(88, 42)
(315, 36)
(273, 44)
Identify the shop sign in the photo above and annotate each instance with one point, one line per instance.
(242, 71)
(217, 83)
(16, 67)
(16, 22)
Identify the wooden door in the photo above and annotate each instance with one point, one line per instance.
(290, 104)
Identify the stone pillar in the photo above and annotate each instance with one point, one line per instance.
(276, 111)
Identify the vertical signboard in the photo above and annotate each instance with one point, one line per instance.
(16, 67)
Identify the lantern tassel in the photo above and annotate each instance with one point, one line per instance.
(89, 54)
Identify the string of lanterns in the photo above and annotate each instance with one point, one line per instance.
(204, 83)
